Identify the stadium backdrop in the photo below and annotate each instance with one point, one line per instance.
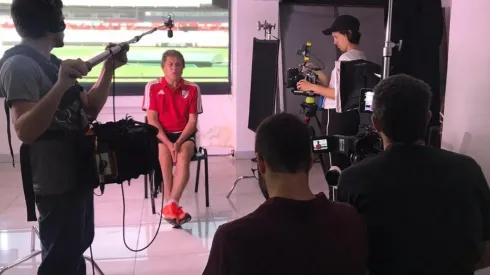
(206, 63)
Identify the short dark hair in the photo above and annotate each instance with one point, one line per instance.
(34, 18)
(283, 142)
(173, 53)
(401, 104)
(354, 37)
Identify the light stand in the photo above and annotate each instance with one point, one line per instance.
(34, 253)
(389, 45)
(267, 27)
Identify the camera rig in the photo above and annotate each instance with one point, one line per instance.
(304, 72)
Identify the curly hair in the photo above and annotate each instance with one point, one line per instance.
(401, 104)
(35, 18)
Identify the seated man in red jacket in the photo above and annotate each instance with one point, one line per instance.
(173, 106)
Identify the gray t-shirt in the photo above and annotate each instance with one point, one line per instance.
(52, 161)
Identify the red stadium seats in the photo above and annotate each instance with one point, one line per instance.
(133, 25)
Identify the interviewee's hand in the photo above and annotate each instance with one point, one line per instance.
(177, 146)
(304, 85)
(120, 59)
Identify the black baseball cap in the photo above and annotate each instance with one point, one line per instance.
(343, 23)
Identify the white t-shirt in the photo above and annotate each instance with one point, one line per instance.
(347, 56)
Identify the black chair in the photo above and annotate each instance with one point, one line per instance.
(153, 186)
(201, 155)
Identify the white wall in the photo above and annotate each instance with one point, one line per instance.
(245, 14)
(223, 126)
(466, 123)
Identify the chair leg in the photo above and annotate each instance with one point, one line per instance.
(198, 175)
(206, 179)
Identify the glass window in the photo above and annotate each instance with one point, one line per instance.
(201, 33)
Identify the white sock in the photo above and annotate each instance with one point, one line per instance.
(171, 201)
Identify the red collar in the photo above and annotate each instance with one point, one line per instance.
(165, 84)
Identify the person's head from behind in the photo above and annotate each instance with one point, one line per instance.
(283, 151)
(345, 32)
(173, 65)
(39, 20)
(401, 109)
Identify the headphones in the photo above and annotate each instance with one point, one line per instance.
(36, 20)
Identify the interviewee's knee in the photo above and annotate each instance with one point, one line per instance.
(164, 155)
(186, 152)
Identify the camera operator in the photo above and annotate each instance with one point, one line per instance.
(50, 114)
(427, 210)
(295, 231)
(346, 37)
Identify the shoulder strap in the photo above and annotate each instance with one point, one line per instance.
(9, 135)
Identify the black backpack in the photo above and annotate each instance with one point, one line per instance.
(126, 149)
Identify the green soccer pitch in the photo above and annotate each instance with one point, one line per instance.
(137, 71)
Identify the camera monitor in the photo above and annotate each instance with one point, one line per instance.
(324, 144)
(366, 101)
(355, 76)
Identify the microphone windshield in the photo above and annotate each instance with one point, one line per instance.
(170, 33)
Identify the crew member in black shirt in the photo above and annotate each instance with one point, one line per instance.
(426, 209)
(296, 231)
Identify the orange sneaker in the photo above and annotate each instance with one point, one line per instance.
(174, 214)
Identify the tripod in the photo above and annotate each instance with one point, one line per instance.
(267, 27)
(309, 109)
(34, 253)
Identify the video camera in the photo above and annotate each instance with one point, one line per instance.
(294, 75)
(356, 148)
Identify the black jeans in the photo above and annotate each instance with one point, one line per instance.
(66, 227)
(334, 123)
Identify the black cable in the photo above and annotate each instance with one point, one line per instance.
(124, 225)
(122, 185)
(319, 60)
(113, 86)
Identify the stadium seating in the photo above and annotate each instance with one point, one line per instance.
(119, 25)
(99, 32)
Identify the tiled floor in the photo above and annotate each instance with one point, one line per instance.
(174, 251)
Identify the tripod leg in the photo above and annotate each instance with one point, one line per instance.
(96, 266)
(322, 162)
(318, 122)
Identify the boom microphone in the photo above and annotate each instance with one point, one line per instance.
(96, 60)
(169, 24)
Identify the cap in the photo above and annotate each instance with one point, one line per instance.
(343, 23)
